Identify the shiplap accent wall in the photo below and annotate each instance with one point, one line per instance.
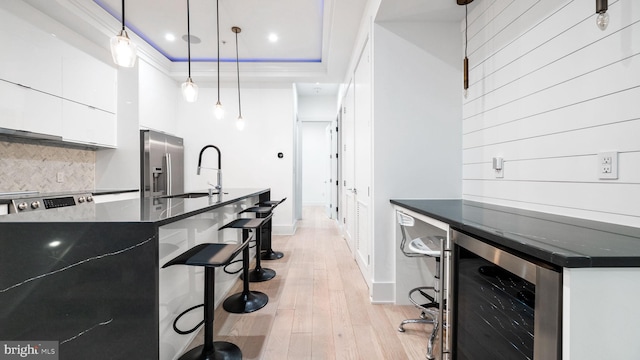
(549, 91)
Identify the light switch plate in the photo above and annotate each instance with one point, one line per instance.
(608, 165)
(498, 167)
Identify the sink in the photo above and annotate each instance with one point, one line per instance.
(188, 195)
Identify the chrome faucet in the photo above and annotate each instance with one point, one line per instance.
(219, 169)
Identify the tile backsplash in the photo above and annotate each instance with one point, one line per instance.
(30, 166)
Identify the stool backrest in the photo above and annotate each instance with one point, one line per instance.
(405, 221)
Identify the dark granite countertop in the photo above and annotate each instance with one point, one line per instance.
(559, 240)
(147, 210)
(111, 191)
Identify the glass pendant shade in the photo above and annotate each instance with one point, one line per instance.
(218, 111)
(123, 50)
(240, 123)
(190, 90)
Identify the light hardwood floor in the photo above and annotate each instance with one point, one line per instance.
(319, 305)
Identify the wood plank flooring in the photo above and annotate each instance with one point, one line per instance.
(319, 305)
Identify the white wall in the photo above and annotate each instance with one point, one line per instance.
(548, 92)
(315, 163)
(249, 157)
(417, 126)
(317, 108)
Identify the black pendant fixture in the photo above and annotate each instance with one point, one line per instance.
(465, 63)
(218, 110)
(602, 21)
(123, 50)
(189, 88)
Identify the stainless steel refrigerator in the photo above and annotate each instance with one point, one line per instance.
(162, 164)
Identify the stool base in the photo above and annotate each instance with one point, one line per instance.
(271, 255)
(240, 303)
(222, 350)
(259, 275)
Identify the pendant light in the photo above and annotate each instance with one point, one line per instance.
(466, 59)
(189, 88)
(123, 50)
(602, 21)
(219, 110)
(240, 122)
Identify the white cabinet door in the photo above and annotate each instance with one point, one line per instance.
(88, 80)
(29, 110)
(29, 56)
(88, 125)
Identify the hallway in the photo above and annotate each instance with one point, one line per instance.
(318, 305)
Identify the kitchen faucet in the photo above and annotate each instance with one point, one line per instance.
(219, 169)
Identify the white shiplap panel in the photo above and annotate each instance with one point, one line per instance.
(617, 107)
(518, 38)
(492, 27)
(558, 169)
(532, 76)
(621, 137)
(604, 81)
(601, 197)
(543, 32)
(596, 215)
(560, 61)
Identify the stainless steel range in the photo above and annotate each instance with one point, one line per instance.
(37, 202)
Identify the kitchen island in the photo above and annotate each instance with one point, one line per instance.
(599, 265)
(89, 276)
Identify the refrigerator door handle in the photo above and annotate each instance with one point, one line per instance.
(169, 175)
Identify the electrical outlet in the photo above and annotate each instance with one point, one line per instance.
(608, 165)
(60, 177)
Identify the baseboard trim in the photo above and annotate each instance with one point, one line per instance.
(383, 292)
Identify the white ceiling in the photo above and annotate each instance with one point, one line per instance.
(316, 37)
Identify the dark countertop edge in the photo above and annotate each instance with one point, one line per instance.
(206, 208)
(561, 258)
(111, 191)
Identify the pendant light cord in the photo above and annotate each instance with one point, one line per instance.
(123, 15)
(238, 72)
(218, 39)
(189, 40)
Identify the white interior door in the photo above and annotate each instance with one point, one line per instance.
(362, 162)
(348, 169)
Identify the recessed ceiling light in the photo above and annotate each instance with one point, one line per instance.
(170, 37)
(194, 39)
(273, 37)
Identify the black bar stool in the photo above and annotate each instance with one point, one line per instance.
(267, 251)
(246, 301)
(259, 273)
(210, 256)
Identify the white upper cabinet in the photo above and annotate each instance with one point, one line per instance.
(88, 81)
(50, 87)
(29, 56)
(29, 110)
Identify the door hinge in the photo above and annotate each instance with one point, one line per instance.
(337, 183)
(336, 209)
(336, 129)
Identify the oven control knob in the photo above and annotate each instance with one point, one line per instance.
(81, 199)
(22, 206)
(35, 204)
(89, 198)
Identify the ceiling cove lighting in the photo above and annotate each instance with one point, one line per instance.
(123, 50)
(240, 122)
(466, 59)
(189, 89)
(219, 110)
(602, 21)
